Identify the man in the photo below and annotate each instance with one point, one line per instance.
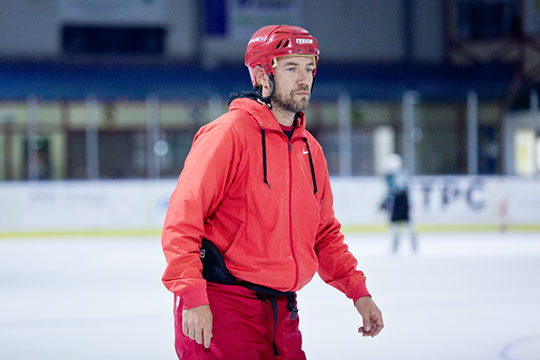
(397, 203)
(251, 218)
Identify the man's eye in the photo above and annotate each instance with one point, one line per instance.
(309, 70)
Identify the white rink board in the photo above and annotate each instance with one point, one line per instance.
(443, 200)
(84, 205)
(141, 204)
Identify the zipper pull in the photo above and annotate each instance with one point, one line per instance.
(290, 147)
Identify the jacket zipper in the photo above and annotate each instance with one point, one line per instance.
(290, 215)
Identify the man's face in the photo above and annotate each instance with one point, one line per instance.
(293, 77)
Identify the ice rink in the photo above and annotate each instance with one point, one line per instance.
(463, 296)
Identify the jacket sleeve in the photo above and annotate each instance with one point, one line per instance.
(208, 173)
(337, 265)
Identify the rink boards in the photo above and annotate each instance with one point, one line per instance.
(138, 207)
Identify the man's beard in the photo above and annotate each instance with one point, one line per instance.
(288, 104)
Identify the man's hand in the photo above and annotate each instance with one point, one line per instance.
(197, 324)
(371, 316)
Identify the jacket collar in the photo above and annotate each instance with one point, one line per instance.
(264, 116)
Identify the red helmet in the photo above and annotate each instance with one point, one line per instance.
(274, 41)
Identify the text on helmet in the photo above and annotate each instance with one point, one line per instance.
(258, 38)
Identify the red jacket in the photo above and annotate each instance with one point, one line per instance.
(256, 196)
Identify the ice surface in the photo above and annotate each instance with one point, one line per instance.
(463, 296)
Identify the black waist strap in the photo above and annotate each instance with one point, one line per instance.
(215, 270)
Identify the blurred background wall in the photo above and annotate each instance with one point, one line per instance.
(116, 89)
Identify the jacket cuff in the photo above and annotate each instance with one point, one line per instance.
(359, 291)
(195, 296)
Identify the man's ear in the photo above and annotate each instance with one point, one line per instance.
(261, 77)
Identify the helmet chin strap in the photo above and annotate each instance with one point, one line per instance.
(266, 99)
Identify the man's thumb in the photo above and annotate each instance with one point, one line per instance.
(367, 324)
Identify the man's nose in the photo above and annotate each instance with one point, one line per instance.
(303, 77)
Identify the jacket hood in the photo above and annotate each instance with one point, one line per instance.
(263, 115)
(268, 122)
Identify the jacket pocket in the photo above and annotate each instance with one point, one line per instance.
(237, 239)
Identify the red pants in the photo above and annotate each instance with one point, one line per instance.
(243, 328)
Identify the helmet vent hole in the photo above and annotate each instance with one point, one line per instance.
(286, 43)
(279, 44)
